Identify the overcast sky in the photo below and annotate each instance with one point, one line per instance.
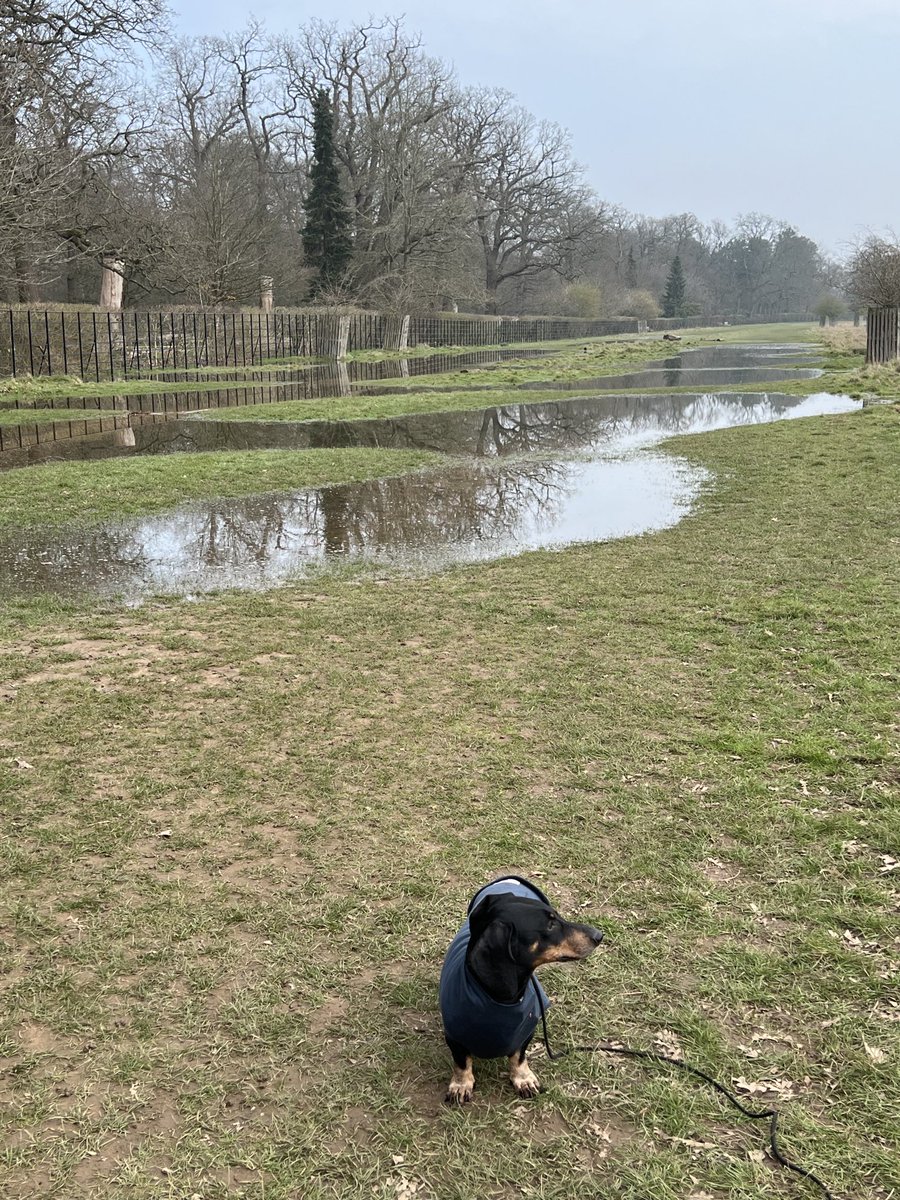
(713, 106)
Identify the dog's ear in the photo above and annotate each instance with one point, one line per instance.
(492, 952)
(482, 917)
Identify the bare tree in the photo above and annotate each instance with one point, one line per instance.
(64, 117)
(221, 173)
(528, 202)
(874, 273)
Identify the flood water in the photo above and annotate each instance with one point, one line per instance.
(463, 513)
(521, 477)
(115, 424)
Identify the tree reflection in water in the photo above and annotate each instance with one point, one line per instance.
(259, 539)
(517, 484)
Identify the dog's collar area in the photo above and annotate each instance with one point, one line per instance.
(479, 982)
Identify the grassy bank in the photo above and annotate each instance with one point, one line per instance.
(844, 374)
(240, 833)
(89, 491)
(45, 416)
(388, 404)
(28, 391)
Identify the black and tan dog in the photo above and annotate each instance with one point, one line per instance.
(490, 1002)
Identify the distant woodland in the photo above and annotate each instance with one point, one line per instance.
(188, 164)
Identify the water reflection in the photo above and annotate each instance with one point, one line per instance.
(579, 425)
(465, 513)
(98, 436)
(676, 376)
(514, 486)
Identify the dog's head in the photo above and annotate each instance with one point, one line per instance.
(510, 931)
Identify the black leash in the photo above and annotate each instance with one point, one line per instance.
(767, 1114)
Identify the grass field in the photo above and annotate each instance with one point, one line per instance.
(239, 834)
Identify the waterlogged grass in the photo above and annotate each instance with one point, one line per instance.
(561, 345)
(53, 387)
(578, 358)
(90, 491)
(238, 835)
(585, 359)
(43, 416)
(351, 408)
(843, 374)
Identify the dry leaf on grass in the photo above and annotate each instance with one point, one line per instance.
(665, 1041)
(876, 1055)
(776, 1037)
(688, 1143)
(599, 1131)
(782, 1088)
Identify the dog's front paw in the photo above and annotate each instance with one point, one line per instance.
(459, 1091)
(525, 1081)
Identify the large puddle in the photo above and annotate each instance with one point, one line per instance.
(116, 424)
(523, 476)
(464, 513)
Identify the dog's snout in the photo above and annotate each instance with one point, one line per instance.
(596, 935)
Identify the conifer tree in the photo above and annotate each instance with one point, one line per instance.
(673, 296)
(326, 234)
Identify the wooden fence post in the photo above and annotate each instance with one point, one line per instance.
(343, 337)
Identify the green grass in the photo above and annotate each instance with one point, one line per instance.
(89, 491)
(239, 834)
(387, 404)
(805, 331)
(41, 416)
(28, 390)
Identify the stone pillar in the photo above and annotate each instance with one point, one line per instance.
(112, 282)
(266, 293)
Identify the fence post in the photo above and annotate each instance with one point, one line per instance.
(343, 337)
(266, 293)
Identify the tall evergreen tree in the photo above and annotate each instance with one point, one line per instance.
(673, 296)
(326, 235)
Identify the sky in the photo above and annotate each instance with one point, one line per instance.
(716, 107)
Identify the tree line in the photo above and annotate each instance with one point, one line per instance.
(194, 167)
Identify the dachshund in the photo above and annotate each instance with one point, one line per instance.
(490, 1000)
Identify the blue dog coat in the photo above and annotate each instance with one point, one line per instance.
(487, 1028)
